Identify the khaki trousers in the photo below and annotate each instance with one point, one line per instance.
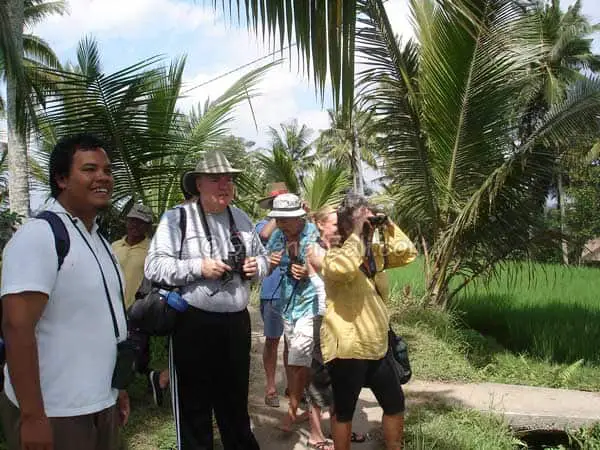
(97, 431)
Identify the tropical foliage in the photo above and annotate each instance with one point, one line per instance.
(450, 107)
(294, 160)
(21, 55)
(135, 112)
(350, 142)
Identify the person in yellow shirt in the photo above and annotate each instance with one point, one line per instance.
(132, 249)
(354, 333)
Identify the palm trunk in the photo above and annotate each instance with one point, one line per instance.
(18, 185)
(359, 186)
(563, 215)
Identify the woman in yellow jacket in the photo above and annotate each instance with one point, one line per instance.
(354, 333)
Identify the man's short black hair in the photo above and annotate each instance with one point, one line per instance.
(61, 158)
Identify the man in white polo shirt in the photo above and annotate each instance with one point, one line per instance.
(62, 324)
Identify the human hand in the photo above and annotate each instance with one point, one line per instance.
(250, 267)
(360, 219)
(275, 258)
(213, 269)
(299, 271)
(36, 433)
(124, 407)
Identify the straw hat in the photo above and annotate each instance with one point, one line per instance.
(214, 162)
(274, 189)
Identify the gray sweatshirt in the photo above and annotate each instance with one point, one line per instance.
(163, 265)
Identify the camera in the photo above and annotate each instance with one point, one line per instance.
(294, 260)
(378, 220)
(125, 366)
(235, 260)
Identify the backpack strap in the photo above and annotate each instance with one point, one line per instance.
(62, 242)
(182, 227)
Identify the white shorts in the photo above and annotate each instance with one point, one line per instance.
(300, 340)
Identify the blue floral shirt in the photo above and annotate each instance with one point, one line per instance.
(298, 297)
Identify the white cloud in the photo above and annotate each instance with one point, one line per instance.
(131, 19)
(285, 93)
(279, 100)
(399, 14)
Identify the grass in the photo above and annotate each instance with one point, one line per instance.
(442, 349)
(522, 308)
(150, 427)
(438, 427)
(510, 331)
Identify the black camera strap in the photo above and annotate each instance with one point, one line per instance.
(234, 234)
(106, 291)
(369, 267)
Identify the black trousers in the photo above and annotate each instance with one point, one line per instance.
(211, 352)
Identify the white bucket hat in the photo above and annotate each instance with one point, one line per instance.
(287, 206)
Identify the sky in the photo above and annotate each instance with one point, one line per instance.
(129, 31)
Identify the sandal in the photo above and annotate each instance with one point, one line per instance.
(357, 438)
(272, 400)
(322, 445)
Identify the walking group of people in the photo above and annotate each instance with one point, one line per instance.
(65, 294)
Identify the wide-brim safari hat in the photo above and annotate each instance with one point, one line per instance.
(286, 206)
(214, 162)
(273, 190)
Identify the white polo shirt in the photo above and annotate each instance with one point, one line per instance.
(76, 341)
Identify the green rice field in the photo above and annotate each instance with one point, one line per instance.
(547, 312)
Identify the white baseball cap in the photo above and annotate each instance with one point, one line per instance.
(140, 212)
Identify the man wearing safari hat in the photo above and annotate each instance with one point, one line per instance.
(212, 264)
(270, 305)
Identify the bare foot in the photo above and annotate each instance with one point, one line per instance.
(302, 417)
(286, 423)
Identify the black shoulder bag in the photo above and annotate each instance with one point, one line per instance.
(127, 349)
(397, 347)
(152, 314)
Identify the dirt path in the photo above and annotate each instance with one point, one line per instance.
(265, 418)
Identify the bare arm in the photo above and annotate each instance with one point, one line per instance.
(267, 230)
(20, 314)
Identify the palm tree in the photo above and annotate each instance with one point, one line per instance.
(568, 58)
(324, 183)
(452, 106)
(350, 143)
(296, 141)
(20, 55)
(134, 111)
(323, 33)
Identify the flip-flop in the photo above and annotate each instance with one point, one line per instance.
(357, 438)
(272, 400)
(322, 445)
